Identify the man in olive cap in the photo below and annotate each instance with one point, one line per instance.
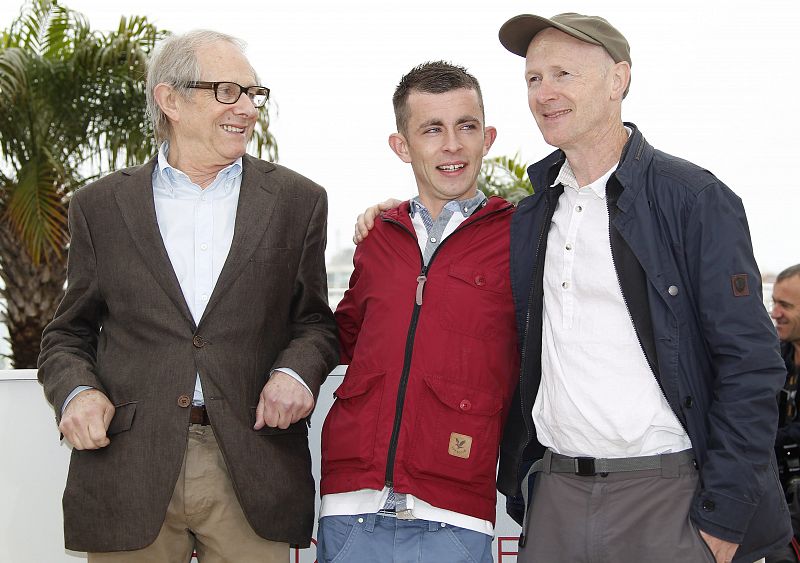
(646, 406)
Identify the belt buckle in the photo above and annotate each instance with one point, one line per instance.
(405, 515)
(584, 466)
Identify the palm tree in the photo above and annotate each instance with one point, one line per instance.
(72, 108)
(506, 177)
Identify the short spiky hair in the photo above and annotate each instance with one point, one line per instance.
(789, 272)
(433, 77)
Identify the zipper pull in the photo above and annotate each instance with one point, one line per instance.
(421, 279)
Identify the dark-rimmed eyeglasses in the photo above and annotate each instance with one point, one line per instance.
(229, 92)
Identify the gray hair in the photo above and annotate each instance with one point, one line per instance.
(174, 62)
(789, 272)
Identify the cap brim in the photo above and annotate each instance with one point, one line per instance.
(518, 32)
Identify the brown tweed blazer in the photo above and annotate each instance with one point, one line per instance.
(124, 328)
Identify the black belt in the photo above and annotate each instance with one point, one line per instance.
(199, 415)
(589, 466)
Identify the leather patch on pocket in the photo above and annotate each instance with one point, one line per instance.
(460, 445)
(740, 284)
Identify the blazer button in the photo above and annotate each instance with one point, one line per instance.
(198, 341)
(184, 401)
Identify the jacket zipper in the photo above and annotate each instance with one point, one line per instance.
(628, 310)
(538, 282)
(412, 328)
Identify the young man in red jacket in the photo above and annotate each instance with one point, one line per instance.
(410, 446)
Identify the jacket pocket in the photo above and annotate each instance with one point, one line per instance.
(348, 434)
(456, 433)
(475, 301)
(123, 418)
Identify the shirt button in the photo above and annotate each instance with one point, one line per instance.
(565, 285)
(673, 290)
(184, 401)
(204, 246)
(465, 405)
(568, 246)
(578, 208)
(433, 239)
(202, 198)
(204, 297)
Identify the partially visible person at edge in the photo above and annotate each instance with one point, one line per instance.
(410, 446)
(185, 358)
(786, 314)
(645, 413)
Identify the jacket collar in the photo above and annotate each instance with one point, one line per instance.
(636, 153)
(401, 213)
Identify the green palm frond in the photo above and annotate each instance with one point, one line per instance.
(263, 143)
(13, 79)
(506, 177)
(35, 208)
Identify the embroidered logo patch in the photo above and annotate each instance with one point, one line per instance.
(460, 445)
(741, 287)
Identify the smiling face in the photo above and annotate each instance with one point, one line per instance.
(574, 90)
(786, 308)
(206, 134)
(445, 141)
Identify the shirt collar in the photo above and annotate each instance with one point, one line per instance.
(464, 206)
(170, 175)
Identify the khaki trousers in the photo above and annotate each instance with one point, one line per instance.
(203, 516)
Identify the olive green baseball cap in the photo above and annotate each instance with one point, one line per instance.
(518, 32)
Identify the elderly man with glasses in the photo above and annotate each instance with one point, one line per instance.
(186, 356)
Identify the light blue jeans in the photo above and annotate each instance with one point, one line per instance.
(374, 538)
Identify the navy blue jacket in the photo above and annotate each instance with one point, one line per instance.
(681, 248)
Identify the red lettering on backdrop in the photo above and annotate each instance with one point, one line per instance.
(501, 550)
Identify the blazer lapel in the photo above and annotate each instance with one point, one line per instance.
(134, 196)
(257, 197)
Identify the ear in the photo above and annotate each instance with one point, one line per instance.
(167, 99)
(489, 135)
(621, 77)
(400, 147)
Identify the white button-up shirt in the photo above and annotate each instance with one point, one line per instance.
(598, 396)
